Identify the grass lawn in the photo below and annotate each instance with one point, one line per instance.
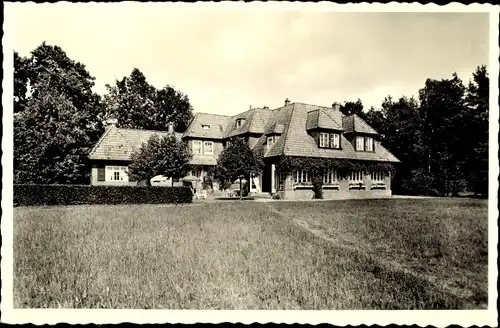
(363, 254)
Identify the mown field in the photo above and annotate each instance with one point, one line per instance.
(364, 254)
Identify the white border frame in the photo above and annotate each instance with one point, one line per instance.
(421, 318)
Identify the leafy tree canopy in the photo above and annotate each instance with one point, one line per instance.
(165, 156)
(137, 104)
(57, 122)
(238, 159)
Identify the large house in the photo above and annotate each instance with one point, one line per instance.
(295, 130)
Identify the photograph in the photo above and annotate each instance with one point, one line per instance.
(189, 162)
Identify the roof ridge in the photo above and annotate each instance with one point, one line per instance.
(145, 130)
(287, 129)
(211, 114)
(126, 140)
(328, 114)
(106, 132)
(190, 125)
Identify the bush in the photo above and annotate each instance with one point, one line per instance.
(31, 194)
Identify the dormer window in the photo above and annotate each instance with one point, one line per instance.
(364, 143)
(329, 140)
(240, 122)
(368, 144)
(205, 126)
(270, 142)
(360, 146)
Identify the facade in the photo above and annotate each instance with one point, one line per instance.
(295, 130)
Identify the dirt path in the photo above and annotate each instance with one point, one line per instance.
(446, 286)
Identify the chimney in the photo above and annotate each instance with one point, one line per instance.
(336, 106)
(287, 102)
(170, 128)
(265, 107)
(250, 106)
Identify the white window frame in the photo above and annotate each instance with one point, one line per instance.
(205, 126)
(356, 176)
(324, 139)
(200, 149)
(239, 122)
(116, 173)
(302, 177)
(377, 176)
(205, 151)
(360, 143)
(335, 140)
(368, 144)
(270, 142)
(330, 177)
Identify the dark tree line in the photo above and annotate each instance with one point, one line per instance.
(441, 139)
(58, 118)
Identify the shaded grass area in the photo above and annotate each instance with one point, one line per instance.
(250, 255)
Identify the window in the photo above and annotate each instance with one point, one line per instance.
(208, 148)
(323, 140)
(116, 173)
(239, 122)
(196, 147)
(356, 176)
(270, 142)
(360, 144)
(377, 176)
(330, 176)
(334, 140)
(205, 127)
(368, 144)
(302, 176)
(196, 173)
(101, 174)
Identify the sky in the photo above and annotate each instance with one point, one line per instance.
(228, 60)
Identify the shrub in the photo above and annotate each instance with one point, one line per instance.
(31, 194)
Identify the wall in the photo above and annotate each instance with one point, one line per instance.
(304, 193)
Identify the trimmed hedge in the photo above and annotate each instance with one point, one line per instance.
(32, 194)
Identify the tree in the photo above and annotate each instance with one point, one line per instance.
(58, 122)
(167, 156)
(237, 159)
(137, 104)
(20, 82)
(350, 107)
(442, 107)
(477, 102)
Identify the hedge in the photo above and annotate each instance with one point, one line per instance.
(32, 194)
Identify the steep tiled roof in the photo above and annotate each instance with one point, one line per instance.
(295, 141)
(118, 144)
(354, 123)
(255, 122)
(216, 126)
(322, 118)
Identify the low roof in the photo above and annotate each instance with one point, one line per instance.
(119, 144)
(354, 123)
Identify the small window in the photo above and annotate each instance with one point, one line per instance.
(196, 147)
(334, 140)
(101, 174)
(116, 176)
(208, 147)
(270, 142)
(369, 144)
(360, 144)
(239, 122)
(205, 127)
(377, 176)
(323, 140)
(356, 176)
(330, 176)
(302, 177)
